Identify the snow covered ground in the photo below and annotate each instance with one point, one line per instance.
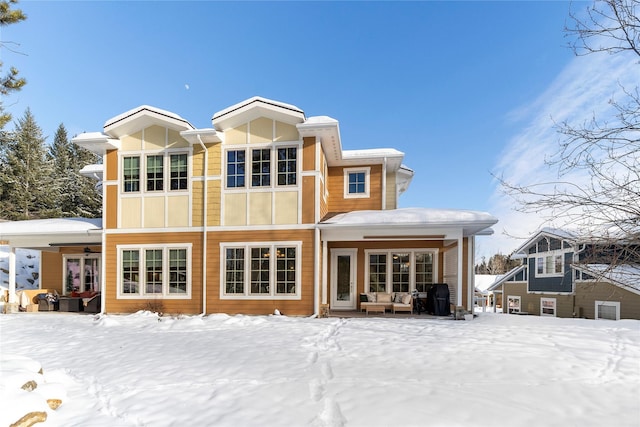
(142, 370)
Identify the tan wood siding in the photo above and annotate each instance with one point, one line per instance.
(308, 200)
(114, 305)
(111, 161)
(309, 154)
(304, 306)
(111, 207)
(197, 161)
(51, 271)
(337, 202)
(530, 303)
(196, 203)
(214, 202)
(587, 293)
(215, 160)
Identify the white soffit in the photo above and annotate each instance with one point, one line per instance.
(141, 117)
(254, 108)
(96, 142)
(208, 136)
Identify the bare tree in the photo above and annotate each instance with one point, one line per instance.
(606, 150)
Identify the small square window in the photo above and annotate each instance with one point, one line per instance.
(356, 182)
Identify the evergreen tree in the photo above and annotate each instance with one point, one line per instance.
(9, 82)
(29, 188)
(78, 196)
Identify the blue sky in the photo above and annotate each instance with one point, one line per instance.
(464, 89)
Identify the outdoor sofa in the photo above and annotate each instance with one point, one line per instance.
(383, 301)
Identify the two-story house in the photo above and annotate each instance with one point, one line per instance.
(263, 211)
(567, 275)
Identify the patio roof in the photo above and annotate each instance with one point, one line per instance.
(47, 233)
(417, 223)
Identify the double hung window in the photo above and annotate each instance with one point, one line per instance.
(155, 177)
(261, 168)
(131, 174)
(154, 167)
(287, 166)
(235, 168)
(400, 271)
(178, 172)
(550, 265)
(267, 166)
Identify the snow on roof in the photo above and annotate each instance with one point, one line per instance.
(48, 226)
(320, 120)
(626, 275)
(143, 108)
(483, 281)
(412, 216)
(372, 152)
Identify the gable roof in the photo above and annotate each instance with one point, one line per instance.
(142, 117)
(254, 108)
(546, 232)
(503, 278)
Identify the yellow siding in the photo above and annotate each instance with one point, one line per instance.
(286, 207)
(286, 132)
(261, 130)
(197, 161)
(235, 209)
(178, 211)
(215, 159)
(153, 212)
(391, 202)
(196, 203)
(236, 136)
(155, 138)
(174, 140)
(213, 215)
(130, 215)
(132, 142)
(259, 208)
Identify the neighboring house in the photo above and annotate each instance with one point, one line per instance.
(562, 275)
(264, 211)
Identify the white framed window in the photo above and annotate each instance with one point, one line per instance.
(609, 310)
(548, 307)
(260, 270)
(261, 167)
(287, 166)
(147, 172)
(400, 270)
(235, 168)
(513, 304)
(154, 270)
(550, 265)
(356, 182)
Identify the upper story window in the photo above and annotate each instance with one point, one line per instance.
(235, 168)
(550, 265)
(155, 165)
(264, 161)
(356, 182)
(261, 168)
(178, 172)
(154, 173)
(287, 166)
(131, 174)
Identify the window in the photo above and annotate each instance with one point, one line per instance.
(178, 172)
(287, 169)
(400, 279)
(177, 271)
(235, 168)
(356, 182)
(154, 173)
(260, 271)
(550, 265)
(409, 270)
(81, 273)
(424, 271)
(165, 274)
(272, 270)
(261, 168)
(609, 310)
(377, 273)
(513, 304)
(548, 307)
(131, 171)
(234, 276)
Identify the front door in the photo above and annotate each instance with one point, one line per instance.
(343, 279)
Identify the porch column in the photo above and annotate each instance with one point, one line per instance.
(12, 274)
(324, 271)
(460, 261)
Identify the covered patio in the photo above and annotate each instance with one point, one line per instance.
(71, 253)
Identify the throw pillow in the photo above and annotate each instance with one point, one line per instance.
(371, 297)
(406, 299)
(397, 298)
